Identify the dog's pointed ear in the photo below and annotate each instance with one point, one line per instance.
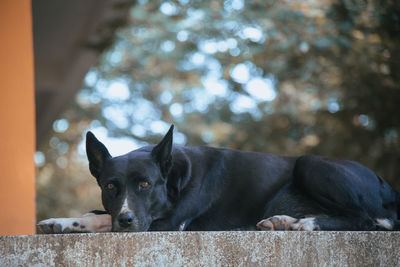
(161, 153)
(96, 153)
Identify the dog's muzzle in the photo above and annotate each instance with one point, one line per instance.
(128, 222)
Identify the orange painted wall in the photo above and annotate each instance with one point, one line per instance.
(17, 119)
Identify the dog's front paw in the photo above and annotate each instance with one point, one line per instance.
(88, 223)
(61, 226)
(284, 222)
(276, 223)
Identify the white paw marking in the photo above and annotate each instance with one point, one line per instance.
(284, 222)
(306, 224)
(88, 223)
(182, 226)
(385, 223)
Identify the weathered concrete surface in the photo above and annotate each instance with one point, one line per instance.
(204, 249)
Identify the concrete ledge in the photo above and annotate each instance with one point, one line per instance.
(204, 248)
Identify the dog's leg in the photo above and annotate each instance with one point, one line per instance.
(354, 196)
(343, 195)
(295, 204)
(325, 223)
(92, 222)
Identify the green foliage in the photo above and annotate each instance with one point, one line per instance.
(283, 77)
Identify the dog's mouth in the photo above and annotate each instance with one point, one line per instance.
(126, 230)
(142, 228)
(136, 225)
(129, 229)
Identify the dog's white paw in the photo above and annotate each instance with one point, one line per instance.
(306, 224)
(88, 223)
(284, 222)
(276, 223)
(61, 225)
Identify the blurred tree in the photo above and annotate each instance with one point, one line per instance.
(282, 77)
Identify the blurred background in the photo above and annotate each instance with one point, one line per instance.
(284, 77)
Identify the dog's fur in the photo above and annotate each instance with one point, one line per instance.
(169, 187)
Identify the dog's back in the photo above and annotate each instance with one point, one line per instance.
(230, 184)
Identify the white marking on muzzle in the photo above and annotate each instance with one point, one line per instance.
(125, 207)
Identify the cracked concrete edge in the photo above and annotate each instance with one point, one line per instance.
(204, 249)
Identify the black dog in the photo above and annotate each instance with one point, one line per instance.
(166, 187)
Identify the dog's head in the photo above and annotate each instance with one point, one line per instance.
(134, 186)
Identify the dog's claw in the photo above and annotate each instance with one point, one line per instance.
(57, 228)
(45, 228)
(49, 227)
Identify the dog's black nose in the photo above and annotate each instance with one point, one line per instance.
(125, 219)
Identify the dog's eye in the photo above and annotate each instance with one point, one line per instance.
(110, 186)
(144, 184)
